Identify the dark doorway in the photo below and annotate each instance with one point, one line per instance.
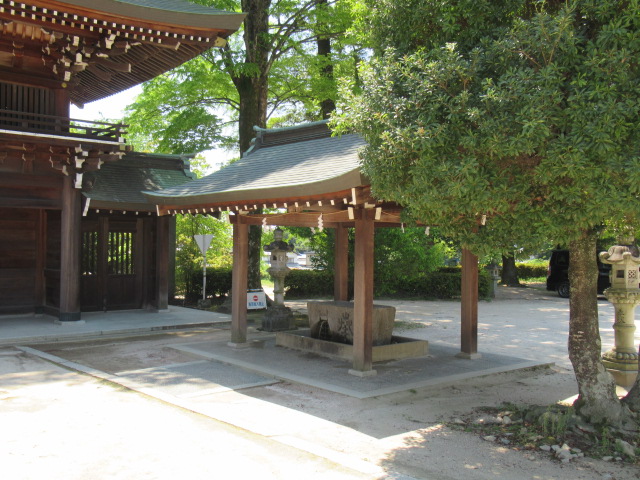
(111, 264)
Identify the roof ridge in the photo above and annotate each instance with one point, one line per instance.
(269, 137)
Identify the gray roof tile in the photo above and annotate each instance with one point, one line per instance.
(119, 185)
(288, 162)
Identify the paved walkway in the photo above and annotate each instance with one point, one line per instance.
(312, 408)
(29, 328)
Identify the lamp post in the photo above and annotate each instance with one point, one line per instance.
(622, 360)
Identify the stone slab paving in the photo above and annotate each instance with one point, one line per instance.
(439, 367)
(193, 379)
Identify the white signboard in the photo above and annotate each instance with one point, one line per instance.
(203, 242)
(256, 299)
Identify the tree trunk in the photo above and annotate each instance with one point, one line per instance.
(252, 85)
(327, 105)
(632, 399)
(509, 276)
(597, 400)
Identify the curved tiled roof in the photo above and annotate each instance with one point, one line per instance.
(120, 185)
(284, 163)
(176, 12)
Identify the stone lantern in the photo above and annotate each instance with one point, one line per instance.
(494, 273)
(278, 317)
(624, 294)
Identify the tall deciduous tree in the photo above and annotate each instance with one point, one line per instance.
(519, 128)
(188, 109)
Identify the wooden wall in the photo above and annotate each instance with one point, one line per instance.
(26, 99)
(19, 244)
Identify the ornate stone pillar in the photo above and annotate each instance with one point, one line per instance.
(278, 317)
(622, 360)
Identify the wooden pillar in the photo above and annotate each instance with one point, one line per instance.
(363, 295)
(239, 282)
(62, 102)
(469, 306)
(162, 262)
(172, 257)
(70, 246)
(41, 258)
(341, 264)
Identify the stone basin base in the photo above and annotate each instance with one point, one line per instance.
(401, 347)
(338, 318)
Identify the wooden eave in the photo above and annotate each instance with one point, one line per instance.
(335, 208)
(98, 53)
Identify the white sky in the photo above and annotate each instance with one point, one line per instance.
(109, 108)
(113, 108)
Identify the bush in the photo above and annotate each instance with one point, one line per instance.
(309, 283)
(526, 270)
(443, 284)
(218, 283)
(446, 283)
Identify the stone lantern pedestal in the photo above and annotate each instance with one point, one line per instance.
(278, 317)
(622, 360)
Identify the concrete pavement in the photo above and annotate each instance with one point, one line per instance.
(312, 416)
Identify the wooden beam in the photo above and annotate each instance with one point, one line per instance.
(469, 306)
(239, 284)
(162, 262)
(363, 296)
(70, 246)
(341, 264)
(30, 79)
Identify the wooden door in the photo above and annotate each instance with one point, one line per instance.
(111, 264)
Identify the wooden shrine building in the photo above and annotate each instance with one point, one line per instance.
(311, 179)
(75, 231)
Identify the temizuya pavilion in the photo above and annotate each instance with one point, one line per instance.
(314, 180)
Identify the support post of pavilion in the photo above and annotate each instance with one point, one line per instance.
(363, 295)
(469, 306)
(239, 282)
(163, 227)
(341, 264)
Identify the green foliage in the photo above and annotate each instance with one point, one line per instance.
(534, 125)
(554, 423)
(528, 270)
(308, 283)
(218, 283)
(410, 25)
(403, 255)
(192, 108)
(441, 284)
(179, 112)
(188, 255)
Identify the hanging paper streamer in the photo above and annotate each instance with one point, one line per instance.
(402, 227)
(264, 221)
(484, 220)
(426, 231)
(320, 223)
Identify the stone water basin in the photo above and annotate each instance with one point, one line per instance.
(333, 321)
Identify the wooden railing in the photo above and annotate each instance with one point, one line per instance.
(63, 126)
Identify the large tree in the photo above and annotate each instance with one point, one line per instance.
(218, 98)
(512, 123)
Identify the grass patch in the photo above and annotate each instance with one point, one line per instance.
(555, 429)
(402, 325)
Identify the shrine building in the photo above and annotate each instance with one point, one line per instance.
(76, 233)
(307, 177)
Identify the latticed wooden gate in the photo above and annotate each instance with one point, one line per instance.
(111, 264)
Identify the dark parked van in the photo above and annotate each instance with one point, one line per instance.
(558, 274)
